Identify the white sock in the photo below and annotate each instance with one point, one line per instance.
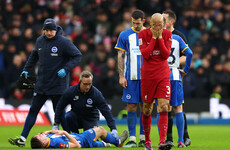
(132, 138)
(142, 137)
(23, 138)
(107, 144)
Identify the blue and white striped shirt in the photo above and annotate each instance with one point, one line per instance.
(128, 42)
(178, 46)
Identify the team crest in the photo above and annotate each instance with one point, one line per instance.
(54, 49)
(128, 96)
(89, 101)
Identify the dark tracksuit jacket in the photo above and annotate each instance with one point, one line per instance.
(85, 105)
(53, 55)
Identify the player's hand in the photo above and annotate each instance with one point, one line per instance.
(55, 127)
(154, 33)
(60, 132)
(48, 132)
(61, 73)
(25, 73)
(123, 82)
(160, 33)
(182, 73)
(115, 134)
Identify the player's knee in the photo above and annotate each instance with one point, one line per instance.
(147, 112)
(164, 108)
(68, 116)
(131, 107)
(177, 109)
(101, 129)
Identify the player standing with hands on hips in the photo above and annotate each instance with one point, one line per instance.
(56, 56)
(129, 67)
(155, 45)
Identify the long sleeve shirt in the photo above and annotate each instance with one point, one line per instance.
(155, 53)
(52, 55)
(85, 106)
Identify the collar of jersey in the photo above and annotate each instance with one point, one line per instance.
(136, 30)
(48, 143)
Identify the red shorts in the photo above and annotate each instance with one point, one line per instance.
(153, 89)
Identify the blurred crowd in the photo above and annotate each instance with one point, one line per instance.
(94, 26)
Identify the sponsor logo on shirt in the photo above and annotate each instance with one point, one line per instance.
(87, 105)
(136, 50)
(155, 52)
(76, 98)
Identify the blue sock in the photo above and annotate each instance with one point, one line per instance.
(132, 121)
(141, 125)
(98, 144)
(158, 114)
(180, 126)
(111, 139)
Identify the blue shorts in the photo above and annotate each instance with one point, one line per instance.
(177, 94)
(88, 138)
(132, 93)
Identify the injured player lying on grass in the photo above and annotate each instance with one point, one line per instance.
(86, 139)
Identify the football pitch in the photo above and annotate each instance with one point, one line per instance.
(203, 137)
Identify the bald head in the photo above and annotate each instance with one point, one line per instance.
(157, 17)
(157, 21)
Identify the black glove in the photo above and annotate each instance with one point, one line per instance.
(26, 83)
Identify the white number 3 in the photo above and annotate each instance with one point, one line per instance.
(168, 87)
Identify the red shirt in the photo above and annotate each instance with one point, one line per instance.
(155, 54)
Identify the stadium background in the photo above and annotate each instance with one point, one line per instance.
(94, 25)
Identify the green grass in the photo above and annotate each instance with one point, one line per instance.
(204, 137)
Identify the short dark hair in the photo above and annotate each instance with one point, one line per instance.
(164, 20)
(138, 14)
(35, 143)
(171, 14)
(85, 74)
